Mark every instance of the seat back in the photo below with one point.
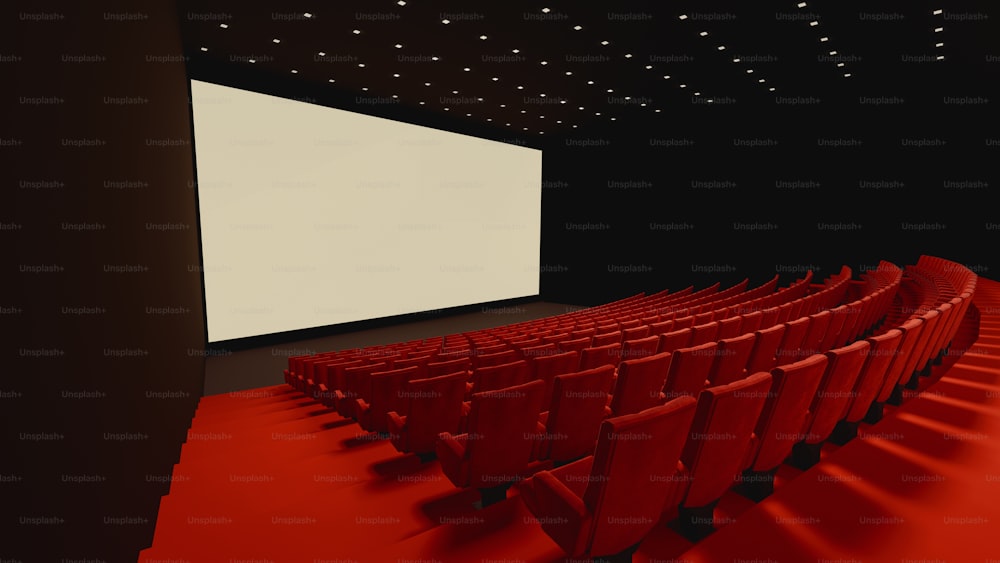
(785, 411)
(751, 322)
(898, 373)
(675, 339)
(499, 376)
(640, 347)
(703, 333)
(639, 383)
(881, 352)
(606, 338)
(576, 344)
(435, 406)
(791, 343)
(632, 451)
(729, 327)
(597, 356)
(357, 385)
(546, 368)
(386, 396)
(579, 405)
(765, 348)
(835, 389)
(445, 367)
(501, 427)
(731, 359)
(689, 369)
(720, 435)
(494, 358)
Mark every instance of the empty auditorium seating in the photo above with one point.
(496, 448)
(731, 359)
(569, 425)
(689, 369)
(597, 356)
(383, 397)
(714, 452)
(639, 383)
(832, 397)
(605, 504)
(434, 405)
(781, 422)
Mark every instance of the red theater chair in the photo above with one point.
(639, 383)
(603, 505)
(715, 450)
(434, 406)
(689, 369)
(384, 396)
(568, 429)
(495, 450)
(832, 397)
(780, 425)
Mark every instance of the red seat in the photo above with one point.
(568, 429)
(605, 504)
(606, 338)
(576, 344)
(751, 322)
(832, 398)
(494, 359)
(497, 447)
(531, 352)
(597, 356)
(326, 393)
(781, 422)
(731, 359)
(832, 338)
(689, 370)
(497, 377)
(703, 333)
(434, 406)
(764, 356)
(638, 384)
(640, 347)
(445, 367)
(791, 343)
(819, 323)
(546, 368)
(900, 370)
(729, 327)
(635, 333)
(356, 385)
(714, 453)
(670, 341)
(386, 396)
(882, 350)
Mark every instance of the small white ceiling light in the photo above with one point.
(813, 23)
(546, 10)
(703, 34)
(605, 42)
(682, 17)
(801, 4)
(483, 37)
(824, 39)
(307, 15)
(446, 21)
(276, 41)
(224, 25)
(295, 71)
(204, 48)
(937, 12)
(578, 27)
(356, 32)
(331, 81)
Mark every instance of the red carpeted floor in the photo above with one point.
(268, 475)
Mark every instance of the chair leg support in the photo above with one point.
(805, 455)
(696, 522)
(756, 485)
(896, 398)
(844, 432)
(874, 413)
(493, 495)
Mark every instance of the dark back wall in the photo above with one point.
(102, 307)
(729, 191)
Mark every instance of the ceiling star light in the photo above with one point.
(824, 39)
(578, 27)
(483, 37)
(682, 17)
(276, 41)
(398, 46)
(546, 10)
(322, 53)
(295, 71)
(224, 25)
(446, 21)
(801, 4)
(938, 12)
(703, 34)
(356, 32)
(307, 15)
(204, 48)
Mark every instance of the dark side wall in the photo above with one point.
(751, 189)
(101, 302)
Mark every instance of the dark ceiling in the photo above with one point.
(559, 67)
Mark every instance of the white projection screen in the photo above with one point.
(312, 216)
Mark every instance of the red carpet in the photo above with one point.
(268, 475)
